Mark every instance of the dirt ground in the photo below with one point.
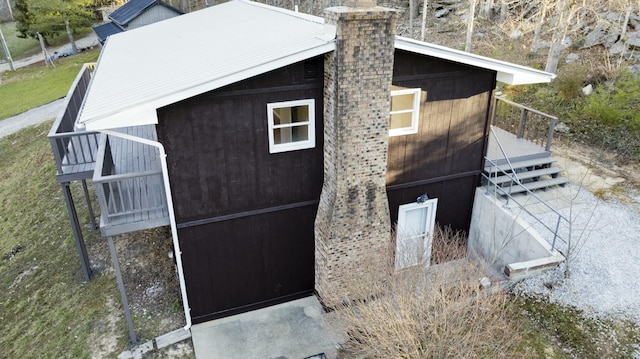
(153, 291)
(598, 171)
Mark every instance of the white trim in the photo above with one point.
(508, 73)
(310, 142)
(404, 259)
(415, 113)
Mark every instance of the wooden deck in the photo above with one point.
(129, 183)
(516, 149)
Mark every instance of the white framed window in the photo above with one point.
(405, 112)
(291, 125)
(414, 233)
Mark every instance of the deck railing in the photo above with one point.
(74, 151)
(509, 171)
(524, 122)
(126, 194)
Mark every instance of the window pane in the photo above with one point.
(287, 115)
(300, 133)
(402, 102)
(401, 120)
(290, 134)
(281, 115)
(300, 113)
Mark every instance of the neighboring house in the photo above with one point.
(134, 14)
(293, 146)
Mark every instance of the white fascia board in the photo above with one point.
(145, 113)
(508, 73)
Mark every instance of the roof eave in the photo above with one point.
(508, 73)
(145, 113)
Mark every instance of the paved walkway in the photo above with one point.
(292, 330)
(32, 117)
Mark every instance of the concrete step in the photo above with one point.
(531, 186)
(548, 171)
(537, 162)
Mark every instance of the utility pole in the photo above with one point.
(69, 32)
(6, 51)
(10, 10)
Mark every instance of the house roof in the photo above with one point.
(146, 68)
(508, 73)
(105, 30)
(132, 9)
(156, 65)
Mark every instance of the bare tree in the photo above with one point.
(424, 20)
(486, 8)
(542, 13)
(413, 12)
(470, 19)
(567, 12)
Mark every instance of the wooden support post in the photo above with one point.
(77, 231)
(92, 216)
(123, 295)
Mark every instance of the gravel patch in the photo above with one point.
(604, 278)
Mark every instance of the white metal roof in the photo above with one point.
(153, 66)
(156, 65)
(508, 73)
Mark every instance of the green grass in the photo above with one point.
(555, 331)
(21, 48)
(37, 85)
(45, 310)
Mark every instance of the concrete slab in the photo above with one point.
(292, 330)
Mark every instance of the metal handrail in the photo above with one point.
(523, 122)
(514, 179)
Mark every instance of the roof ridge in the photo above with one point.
(300, 15)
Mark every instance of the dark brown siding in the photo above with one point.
(250, 262)
(245, 215)
(445, 157)
(218, 148)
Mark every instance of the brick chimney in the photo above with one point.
(352, 228)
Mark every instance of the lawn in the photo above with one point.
(21, 48)
(46, 311)
(38, 84)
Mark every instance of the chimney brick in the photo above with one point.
(352, 228)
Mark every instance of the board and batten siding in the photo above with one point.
(245, 216)
(445, 158)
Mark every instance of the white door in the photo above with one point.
(414, 233)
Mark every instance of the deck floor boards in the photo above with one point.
(134, 157)
(517, 149)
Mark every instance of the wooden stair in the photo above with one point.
(534, 174)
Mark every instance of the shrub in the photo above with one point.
(570, 81)
(616, 103)
(440, 312)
